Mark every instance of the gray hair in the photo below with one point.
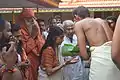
(68, 23)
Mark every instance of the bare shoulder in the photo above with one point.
(100, 20)
(78, 26)
(81, 22)
(78, 23)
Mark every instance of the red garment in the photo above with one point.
(26, 13)
(49, 58)
(32, 47)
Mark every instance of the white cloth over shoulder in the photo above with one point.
(72, 71)
(19, 58)
(102, 66)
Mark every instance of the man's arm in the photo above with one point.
(81, 40)
(116, 44)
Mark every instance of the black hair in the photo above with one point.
(40, 20)
(57, 16)
(81, 11)
(50, 41)
(50, 21)
(15, 27)
(113, 18)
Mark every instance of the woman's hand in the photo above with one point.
(71, 61)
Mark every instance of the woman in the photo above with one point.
(50, 67)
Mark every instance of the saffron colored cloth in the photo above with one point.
(32, 49)
(49, 60)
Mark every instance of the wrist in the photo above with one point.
(63, 64)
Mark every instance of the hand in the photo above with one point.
(11, 48)
(9, 56)
(24, 64)
(37, 54)
(71, 61)
(74, 61)
(28, 61)
(67, 62)
(13, 38)
(34, 32)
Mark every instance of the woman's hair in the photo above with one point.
(40, 20)
(50, 41)
(15, 27)
(50, 21)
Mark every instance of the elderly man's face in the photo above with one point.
(32, 26)
(69, 31)
(30, 22)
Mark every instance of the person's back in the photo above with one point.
(98, 34)
(94, 31)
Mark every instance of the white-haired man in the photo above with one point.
(75, 70)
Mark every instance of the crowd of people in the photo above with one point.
(30, 50)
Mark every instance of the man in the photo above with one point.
(32, 41)
(16, 33)
(115, 45)
(43, 28)
(98, 36)
(52, 22)
(112, 22)
(8, 54)
(72, 71)
(41, 24)
(58, 19)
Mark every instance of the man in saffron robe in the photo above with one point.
(32, 41)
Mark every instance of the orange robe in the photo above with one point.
(32, 48)
(49, 58)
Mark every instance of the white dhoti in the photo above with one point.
(102, 66)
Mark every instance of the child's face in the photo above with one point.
(17, 35)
